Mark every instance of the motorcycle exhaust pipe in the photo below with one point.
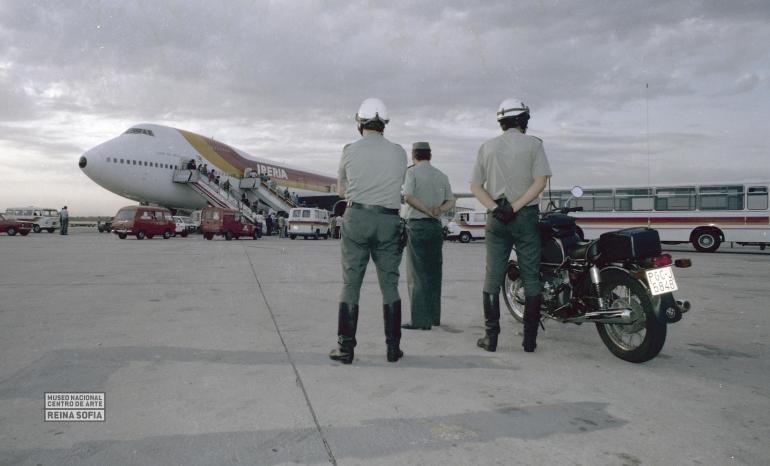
(614, 316)
(683, 304)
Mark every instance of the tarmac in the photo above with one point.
(216, 352)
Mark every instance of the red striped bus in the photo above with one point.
(705, 214)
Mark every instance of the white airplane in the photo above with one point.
(139, 164)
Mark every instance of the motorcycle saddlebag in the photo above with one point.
(631, 243)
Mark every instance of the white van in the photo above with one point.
(42, 218)
(308, 222)
(467, 226)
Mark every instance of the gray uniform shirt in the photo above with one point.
(428, 184)
(372, 171)
(508, 164)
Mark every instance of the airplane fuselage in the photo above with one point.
(139, 164)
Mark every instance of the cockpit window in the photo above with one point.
(147, 132)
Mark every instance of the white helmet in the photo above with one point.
(510, 108)
(372, 109)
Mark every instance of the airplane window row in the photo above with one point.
(142, 163)
(147, 132)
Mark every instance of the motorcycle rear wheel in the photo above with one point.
(513, 292)
(641, 340)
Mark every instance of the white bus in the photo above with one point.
(704, 214)
(42, 218)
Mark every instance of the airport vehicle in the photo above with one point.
(104, 226)
(467, 226)
(158, 152)
(143, 222)
(621, 282)
(703, 214)
(41, 218)
(184, 226)
(11, 226)
(227, 222)
(309, 223)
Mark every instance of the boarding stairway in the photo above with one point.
(254, 189)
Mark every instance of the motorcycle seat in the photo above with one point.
(587, 250)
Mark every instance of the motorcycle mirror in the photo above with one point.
(577, 191)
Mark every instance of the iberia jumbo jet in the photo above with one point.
(139, 164)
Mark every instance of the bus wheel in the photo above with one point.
(37, 229)
(706, 240)
(465, 237)
(228, 236)
(141, 235)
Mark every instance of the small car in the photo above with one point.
(184, 226)
(11, 226)
(227, 222)
(144, 222)
(104, 226)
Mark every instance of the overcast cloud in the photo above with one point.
(282, 80)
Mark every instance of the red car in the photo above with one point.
(13, 226)
(228, 223)
(144, 222)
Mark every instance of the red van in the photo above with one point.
(227, 222)
(144, 222)
(13, 226)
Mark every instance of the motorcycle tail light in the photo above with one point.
(660, 261)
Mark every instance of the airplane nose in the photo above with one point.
(82, 162)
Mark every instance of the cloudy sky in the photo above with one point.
(283, 79)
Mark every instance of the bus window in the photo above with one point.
(721, 198)
(480, 217)
(675, 199)
(463, 217)
(296, 214)
(593, 200)
(633, 199)
(757, 198)
(306, 213)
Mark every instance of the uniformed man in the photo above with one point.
(370, 176)
(511, 171)
(427, 194)
(64, 221)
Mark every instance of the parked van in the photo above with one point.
(144, 222)
(308, 222)
(467, 226)
(41, 218)
(11, 226)
(227, 222)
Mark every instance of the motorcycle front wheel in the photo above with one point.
(640, 340)
(513, 291)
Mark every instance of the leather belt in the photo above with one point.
(374, 208)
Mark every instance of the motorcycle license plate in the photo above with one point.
(661, 280)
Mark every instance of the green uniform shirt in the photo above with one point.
(508, 164)
(372, 171)
(429, 185)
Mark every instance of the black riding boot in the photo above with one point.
(391, 315)
(491, 322)
(531, 322)
(347, 322)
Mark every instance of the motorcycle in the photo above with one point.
(620, 281)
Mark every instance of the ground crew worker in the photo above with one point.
(427, 194)
(64, 220)
(371, 173)
(511, 171)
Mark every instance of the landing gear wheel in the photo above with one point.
(640, 340)
(465, 237)
(706, 241)
(513, 291)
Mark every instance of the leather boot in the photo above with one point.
(531, 322)
(491, 322)
(347, 322)
(391, 315)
